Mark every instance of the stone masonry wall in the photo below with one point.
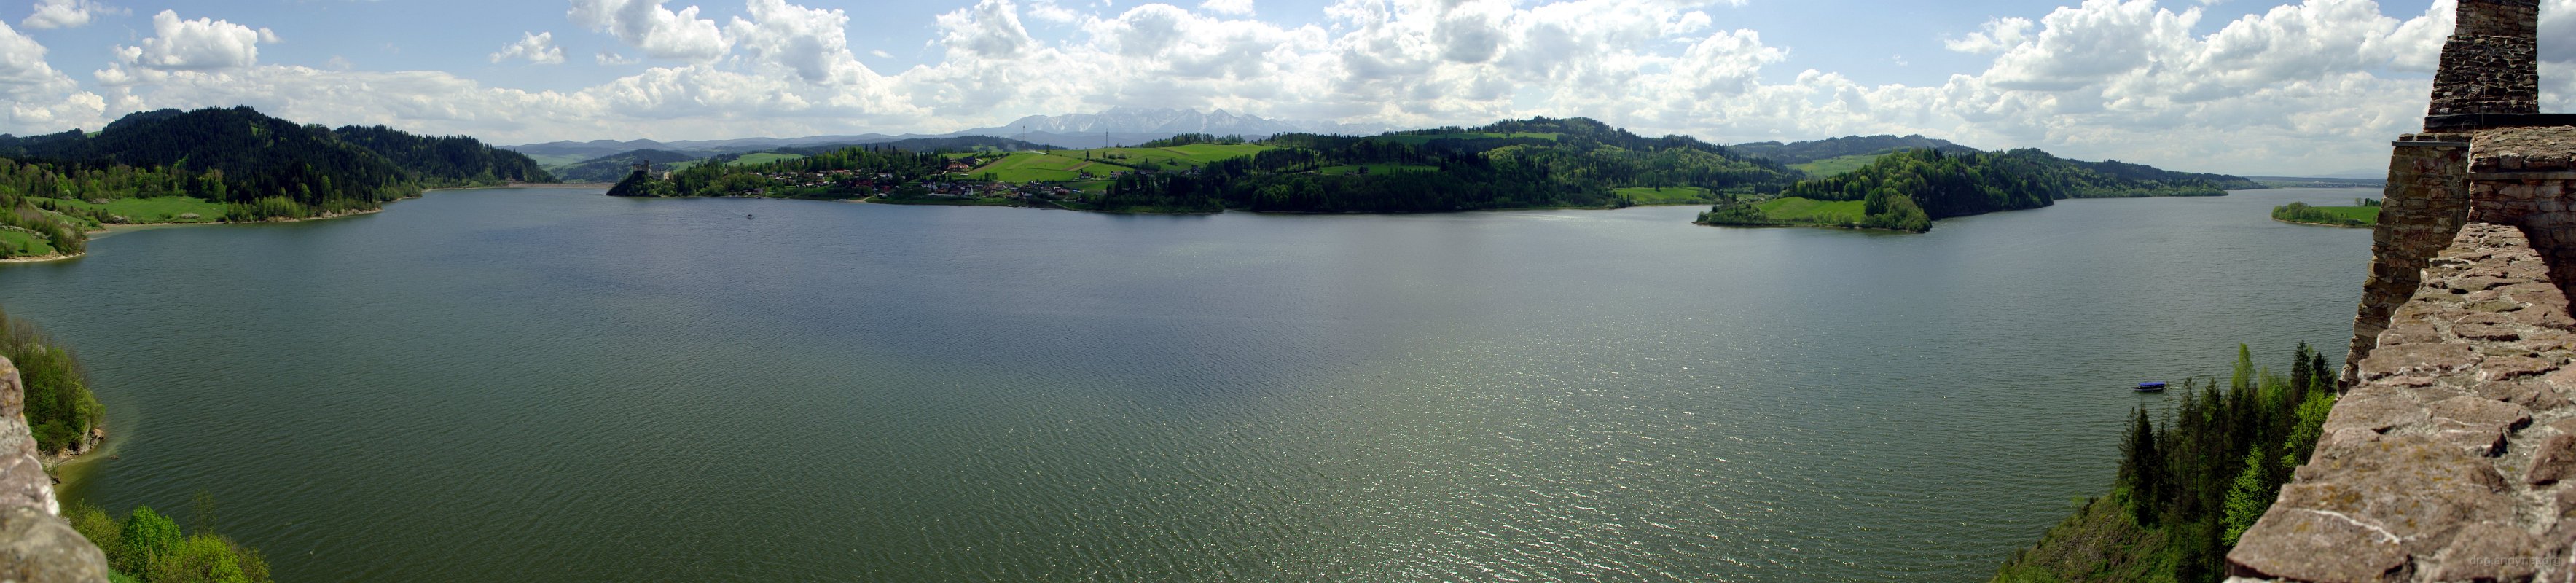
(2522, 177)
(2491, 64)
(2425, 204)
(36, 546)
(2454, 458)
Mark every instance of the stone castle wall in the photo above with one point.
(2491, 64)
(2452, 457)
(2424, 206)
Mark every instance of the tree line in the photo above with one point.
(1908, 190)
(2192, 478)
(810, 177)
(1577, 163)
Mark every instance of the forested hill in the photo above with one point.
(1908, 190)
(1533, 163)
(1811, 151)
(615, 166)
(446, 160)
(222, 164)
(254, 155)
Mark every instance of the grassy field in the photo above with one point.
(1800, 210)
(1374, 169)
(2339, 216)
(1191, 156)
(1667, 195)
(159, 210)
(17, 244)
(1836, 166)
(764, 158)
(1035, 166)
(1416, 140)
(2367, 215)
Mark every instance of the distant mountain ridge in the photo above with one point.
(1170, 122)
(1117, 126)
(1813, 150)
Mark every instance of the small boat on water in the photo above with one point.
(2151, 387)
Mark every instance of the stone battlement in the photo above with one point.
(2450, 456)
(2454, 457)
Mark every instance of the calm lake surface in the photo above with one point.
(549, 384)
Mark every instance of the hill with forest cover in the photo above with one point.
(613, 167)
(1908, 190)
(941, 144)
(442, 161)
(214, 165)
(1817, 150)
(1533, 163)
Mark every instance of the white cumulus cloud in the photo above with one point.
(537, 47)
(659, 32)
(808, 42)
(196, 45)
(67, 13)
(38, 97)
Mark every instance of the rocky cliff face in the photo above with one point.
(36, 546)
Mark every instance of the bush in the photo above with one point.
(151, 548)
(60, 408)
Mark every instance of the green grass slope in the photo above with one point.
(1837, 166)
(1670, 195)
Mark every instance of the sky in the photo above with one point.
(2248, 87)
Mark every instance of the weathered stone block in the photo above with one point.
(2434, 359)
(2309, 545)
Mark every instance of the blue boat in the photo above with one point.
(2151, 387)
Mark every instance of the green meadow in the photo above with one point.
(1810, 211)
(1666, 195)
(764, 158)
(14, 243)
(1036, 166)
(1836, 166)
(165, 209)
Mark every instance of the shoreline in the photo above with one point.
(67, 468)
(513, 185)
(1805, 226)
(2306, 224)
(106, 231)
(44, 258)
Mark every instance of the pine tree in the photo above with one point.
(2143, 468)
(2250, 496)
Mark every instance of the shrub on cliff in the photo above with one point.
(151, 548)
(60, 408)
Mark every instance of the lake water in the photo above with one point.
(549, 384)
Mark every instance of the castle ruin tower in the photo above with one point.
(2489, 81)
